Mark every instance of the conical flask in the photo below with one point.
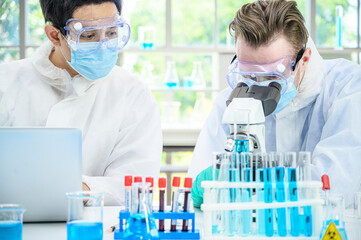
(171, 79)
(141, 223)
(197, 76)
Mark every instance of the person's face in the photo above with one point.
(90, 12)
(275, 50)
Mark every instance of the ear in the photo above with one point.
(53, 34)
(305, 59)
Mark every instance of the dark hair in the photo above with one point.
(57, 12)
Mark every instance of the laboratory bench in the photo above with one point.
(57, 231)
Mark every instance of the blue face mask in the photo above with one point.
(96, 65)
(286, 97)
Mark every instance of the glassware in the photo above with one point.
(187, 82)
(335, 212)
(171, 79)
(11, 221)
(141, 223)
(146, 37)
(339, 15)
(85, 215)
(197, 76)
(147, 75)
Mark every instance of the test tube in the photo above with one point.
(261, 158)
(128, 180)
(162, 184)
(268, 197)
(234, 194)
(290, 164)
(247, 176)
(304, 173)
(187, 193)
(150, 194)
(280, 192)
(175, 195)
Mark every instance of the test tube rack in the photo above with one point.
(167, 234)
(211, 206)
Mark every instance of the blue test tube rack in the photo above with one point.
(166, 234)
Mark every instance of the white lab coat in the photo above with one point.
(117, 114)
(324, 118)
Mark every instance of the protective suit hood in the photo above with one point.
(57, 77)
(311, 85)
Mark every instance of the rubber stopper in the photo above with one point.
(138, 179)
(150, 180)
(326, 182)
(176, 182)
(128, 180)
(162, 182)
(188, 182)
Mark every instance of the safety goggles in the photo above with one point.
(88, 36)
(261, 73)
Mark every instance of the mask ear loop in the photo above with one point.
(297, 63)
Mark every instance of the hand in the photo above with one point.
(85, 187)
(197, 191)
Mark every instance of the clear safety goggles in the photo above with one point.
(261, 73)
(88, 36)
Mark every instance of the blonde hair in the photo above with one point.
(261, 22)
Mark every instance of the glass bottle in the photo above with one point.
(171, 79)
(197, 76)
(141, 223)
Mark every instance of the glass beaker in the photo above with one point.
(335, 212)
(171, 79)
(11, 221)
(197, 76)
(141, 223)
(146, 37)
(85, 215)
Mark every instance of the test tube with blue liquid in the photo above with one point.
(304, 175)
(247, 176)
(268, 197)
(235, 195)
(261, 158)
(11, 221)
(216, 215)
(224, 194)
(339, 16)
(290, 165)
(280, 193)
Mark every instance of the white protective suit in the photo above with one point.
(117, 114)
(323, 118)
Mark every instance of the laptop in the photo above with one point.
(37, 167)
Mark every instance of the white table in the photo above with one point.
(57, 231)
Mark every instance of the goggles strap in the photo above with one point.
(298, 58)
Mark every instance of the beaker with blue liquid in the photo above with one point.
(171, 80)
(11, 221)
(141, 223)
(85, 215)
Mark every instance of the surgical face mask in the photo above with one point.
(96, 65)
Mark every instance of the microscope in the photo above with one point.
(245, 114)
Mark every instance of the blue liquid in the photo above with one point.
(147, 46)
(11, 230)
(187, 84)
(280, 197)
(85, 230)
(246, 197)
(268, 199)
(293, 197)
(171, 84)
(308, 221)
(260, 197)
(136, 228)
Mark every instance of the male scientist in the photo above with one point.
(318, 110)
(72, 81)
